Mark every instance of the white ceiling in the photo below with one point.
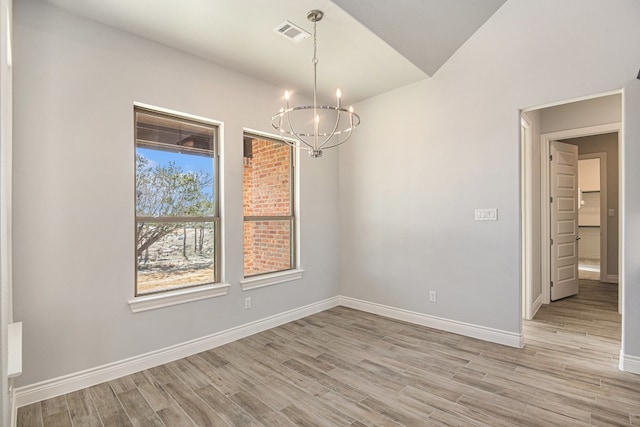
(366, 49)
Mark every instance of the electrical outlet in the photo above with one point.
(247, 303)
(433, 297)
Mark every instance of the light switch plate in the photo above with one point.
(490, 214)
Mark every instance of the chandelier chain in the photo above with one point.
(315, 81)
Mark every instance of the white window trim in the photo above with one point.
(271, 279)
(179, 296)
(198, 292)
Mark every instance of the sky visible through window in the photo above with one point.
(186, 162)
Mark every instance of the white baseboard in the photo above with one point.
(90, 377)
(629, 363)
(487, 334)
(12, 405)
(535, 307)
(611, 278)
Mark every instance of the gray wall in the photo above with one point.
(436, 150)
(607, 143)
(590, 112)
(73, 257)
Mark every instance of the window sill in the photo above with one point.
(181, 296)
(271, 279)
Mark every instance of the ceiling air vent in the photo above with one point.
(291, 31)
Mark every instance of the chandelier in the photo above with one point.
(315, 127)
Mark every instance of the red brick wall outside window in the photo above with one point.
(268, 206)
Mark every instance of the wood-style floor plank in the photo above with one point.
(343, 367)
(193, 405)
(175, 416)
(138, 409)
(82, 410)
(109, 408)
(259, 410)
(60, 419)
(229, 411)
(152, 390)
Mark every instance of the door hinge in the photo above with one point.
(552, 241)
(552, 283)
(550, 199)
(550, 157)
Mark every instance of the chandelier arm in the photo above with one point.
(289, 133)
(340, 142)
(348, 131)
(279, 124)
(288, 112)
(298, 136)
(333, 132)
(292, 131)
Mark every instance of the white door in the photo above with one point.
(564, 220)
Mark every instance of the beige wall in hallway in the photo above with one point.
(606, 143)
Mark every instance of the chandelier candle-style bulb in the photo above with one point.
(294, 123)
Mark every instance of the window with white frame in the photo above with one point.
(269, 220)
(177, 207)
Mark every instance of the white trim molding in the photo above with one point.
(270, 279)
(527, 228)
(629, 363)
(497, 336)
(12, 404)
(536, 306)
(611, 278)
(90, 377)
(181, 296)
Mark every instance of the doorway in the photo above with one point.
(592, 140)
(540, 128)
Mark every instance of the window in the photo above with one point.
(177, 219)
(269, 221)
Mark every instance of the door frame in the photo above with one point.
(545, 234)
(529, 306)
(602, 156)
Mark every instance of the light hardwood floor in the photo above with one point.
(348, 368)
